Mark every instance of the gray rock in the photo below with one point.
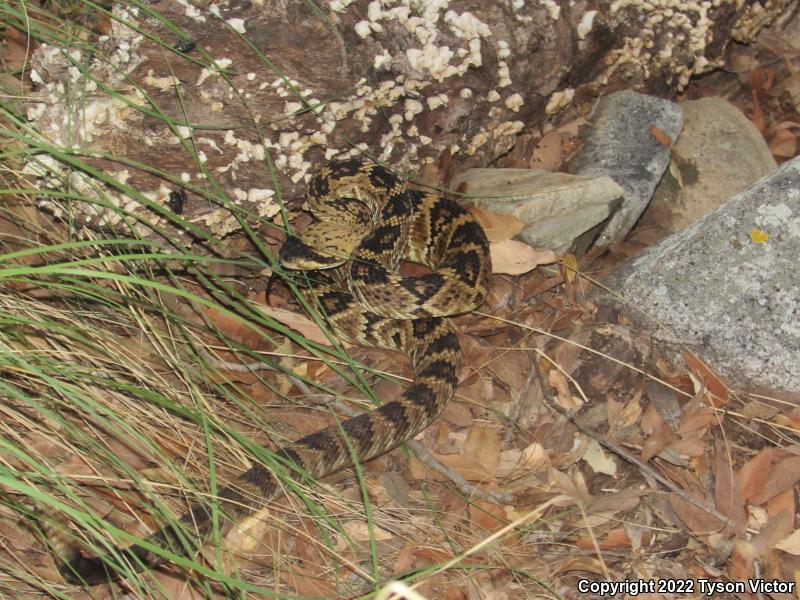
(623, 145)
(555, 207)
(718, 154)
(716, 287)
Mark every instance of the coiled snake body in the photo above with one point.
(366, 223)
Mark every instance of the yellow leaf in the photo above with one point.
(570, 263)
(758, 236)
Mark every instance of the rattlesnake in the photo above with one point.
(366, 223)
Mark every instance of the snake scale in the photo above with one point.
(366, 222)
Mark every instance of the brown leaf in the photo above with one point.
(415, 557)
(782, 502)
(659, 433)
(782, 143)
(498, 227)
(701, 417)
(299, 323)
(776, 529)
(548, 152)
(616, 539)
(700, 521)
(477, 459)
(515, 258)
(753, 474)
(758, 118)
(308, 581)
(713, 383)
(566, 400)
(486, 517)
(726, 489)
(691, 446)
(19, 48)
(782, 477)
(660, 136)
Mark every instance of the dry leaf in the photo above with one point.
(754, 473)
(782, 502)
(487, 517)
(515, 258)
(558, 380)
(360, 531)
(599, 460)
(701, 417)
(616, 539)
(776, 529)
(690, 446)
(758, 118)
(726, 489)
(782, 477)
(660, 136)
(246, 535)
(297, 322)
(308, 581)
(548, 152)
(713, 383)
(782, 143)
(700, 521)
(478, 458)
(570, 263)
(498, 227)
(791, 544)
(659, 433)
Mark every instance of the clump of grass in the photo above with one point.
(115, 409)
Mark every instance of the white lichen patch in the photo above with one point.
(431, 60)
(412, 108)
(503, 74)
(340, 5)
(514, 102)
(682, 27)
(191, 11)
(436, 101)
(382, 61)
(477, 142)
(507, 128)
(363, 29)
(585, 24)
(219, 65)
(466, 25)
(238, 25)
(552, 8)
(219, 220)
(503, 50)
(161, 83)
(559, 100)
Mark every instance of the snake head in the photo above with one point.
(322, 245)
